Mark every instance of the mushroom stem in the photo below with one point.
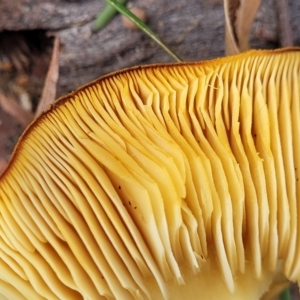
(208, 283)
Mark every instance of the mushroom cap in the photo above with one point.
(159, 182)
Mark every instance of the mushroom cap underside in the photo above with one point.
(149, 177)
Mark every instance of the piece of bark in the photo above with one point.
(285, 30)
(86, 55)
(46, 14)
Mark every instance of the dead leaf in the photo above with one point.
(14, 109)
(230, 7)
(49, 90)
(239, 16)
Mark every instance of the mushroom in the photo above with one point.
(171, 181)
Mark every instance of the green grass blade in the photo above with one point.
(127, 13)
(285, 295)
(106, 15)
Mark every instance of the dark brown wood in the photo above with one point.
(285, 31)
(194, 29)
